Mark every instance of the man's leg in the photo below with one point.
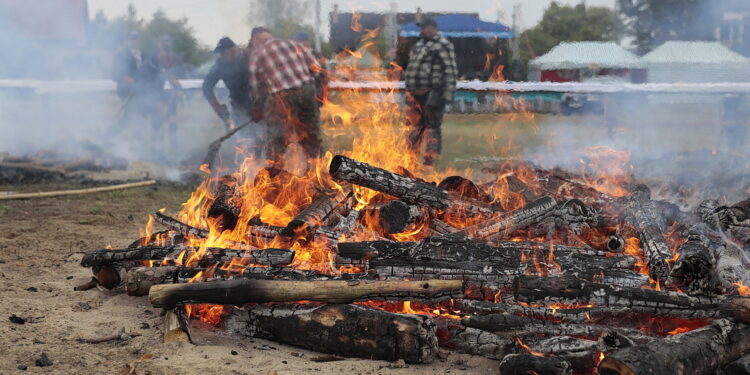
(277, 119)
(307, 124)
(433, 118)
(415, 120)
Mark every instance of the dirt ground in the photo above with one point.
(41, 244)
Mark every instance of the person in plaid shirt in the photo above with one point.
(282, 75)
(430, 79)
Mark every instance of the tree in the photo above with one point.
(285, 18)
(564, 23)
(109, 34)
(652, 22)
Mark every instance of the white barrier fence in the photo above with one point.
(83, 86)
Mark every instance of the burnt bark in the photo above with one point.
(238, 292)
(699, 352)
(226, 206)
(693, 270)
(321, 212)
(572, 290)
(345, 330)
(641, 213)
(211, 255)
(193, 232)
(506, 224)
(455, 336)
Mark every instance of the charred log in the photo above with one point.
(572, 290)
(453, 335)
(192, 232)
(321, 212)
(641, 213)
(211, 255)
(693, 269)
(238, 292)
(345, 330)
(176, 326)
(504, 225)
(699, 352)
(225, 205)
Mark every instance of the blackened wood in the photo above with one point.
(693, 271)
(394, 216)
(529, 364)
(515, 325)
(580, 353)
(320, 212)
(269, 257)
(465, 188)
(439, 227)
(407, 189)
(641, 213)
(344, 330)
(238, 292)
(699, 352)
(193, 232)
(455, 336)
(226, 206)
(506, 224)
(571, 290)
(738, 367)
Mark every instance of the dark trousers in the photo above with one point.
(424, 123)
(293, 116)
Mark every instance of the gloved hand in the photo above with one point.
(223, 112)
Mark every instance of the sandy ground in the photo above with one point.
(41, 244)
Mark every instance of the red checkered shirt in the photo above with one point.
(280, 65)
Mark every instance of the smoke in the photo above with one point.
(58, 99)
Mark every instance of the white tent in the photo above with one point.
(688, 62)
(587, 55)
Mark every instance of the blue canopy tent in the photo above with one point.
(461, 26)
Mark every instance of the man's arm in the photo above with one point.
(209, 83)
(450, 70)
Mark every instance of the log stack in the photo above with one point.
(571, 281)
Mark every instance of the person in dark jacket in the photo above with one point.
(125, 65)
(430, 79)
(231, 68)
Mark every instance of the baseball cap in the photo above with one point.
(427, 21)
(224, 43)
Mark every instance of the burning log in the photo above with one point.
(701, 351)
(407, 189)
(192, 232)
(176, 326)
(693, 269)
(321, 212)
(528, 364)
(211, 255)
(738, 367)
(345, 330)
(141, 279)
(347, 223)
(238, 292)
(225, 205)
(503, 226)
(580, 353)
(643, 215)
(572, 290)
(395, 216)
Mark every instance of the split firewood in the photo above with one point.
(501, 227)
(404, 188)
(176, 326)
(571, 290)
(693, 271)
(238, 292)
(141, 279)
(528, 364)
(699, 352)
(345, 330)
(321, 212)
(641, 213)
(211, 255)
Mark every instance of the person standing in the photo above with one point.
(231, 67)
(282, 84)
(126, 64)
(430, 79)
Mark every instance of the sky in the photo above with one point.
(213, 19)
